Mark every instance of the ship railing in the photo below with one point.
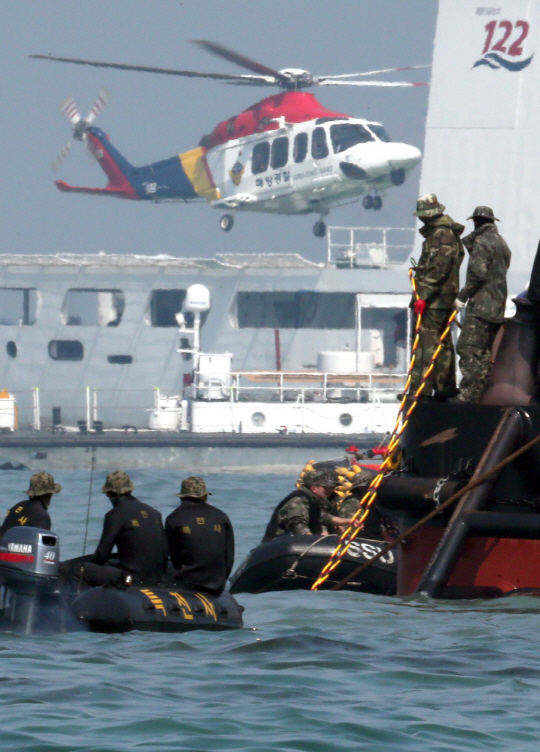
(300, 386)
(85, 410)
(368, 247)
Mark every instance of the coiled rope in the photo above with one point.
(391, 457)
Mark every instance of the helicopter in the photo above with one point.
(286, 154)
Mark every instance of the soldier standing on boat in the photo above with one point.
(484, 294)
(308, 510)
(34, 511)
(201, 540)
(437, 284)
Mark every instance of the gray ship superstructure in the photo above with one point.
(96, 335)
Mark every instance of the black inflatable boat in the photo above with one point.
(294, 562)
(32, 601)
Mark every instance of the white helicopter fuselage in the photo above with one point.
(308, 167)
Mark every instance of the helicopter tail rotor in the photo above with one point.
(62, 155)
(101, 100)
(69, 109)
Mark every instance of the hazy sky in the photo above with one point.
(152, 117)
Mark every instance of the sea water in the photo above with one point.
(310, 672)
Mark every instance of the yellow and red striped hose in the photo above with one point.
(401, 423)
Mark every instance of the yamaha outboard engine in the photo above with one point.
(29, 559)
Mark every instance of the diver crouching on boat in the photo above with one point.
(201, 540)
(136, 529)
(308, 509)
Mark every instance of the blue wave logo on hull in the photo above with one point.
(495, 61)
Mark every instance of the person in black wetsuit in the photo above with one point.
(33, 512)
(136, 529)
(201, 540)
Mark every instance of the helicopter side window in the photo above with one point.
(319, 147)
(380, 132)
(280, 152)
(300, 147)
(346, 135)
(260, 157)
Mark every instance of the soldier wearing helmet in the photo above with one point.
(201, 540)
(308, 510)
(34, 511)
(136, 529)
(437, 284)
(484, 294)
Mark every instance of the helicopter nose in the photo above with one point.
(404, 157)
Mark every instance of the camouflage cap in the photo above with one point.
(428, 206)
(193, 488)
(485, 212)
(42, 484)
(324, 478)
(363, 478)
(118, 482)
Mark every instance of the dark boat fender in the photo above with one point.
(154, 609)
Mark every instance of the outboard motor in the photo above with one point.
(29, 560)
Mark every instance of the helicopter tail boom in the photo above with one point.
(184, 177)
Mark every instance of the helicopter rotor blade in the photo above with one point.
(69, 109)
(241, 60)
(101, 100)
(333, 82)
(62, 155)
(140, 68)
(375, 72)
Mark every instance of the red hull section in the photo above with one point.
(294, 106)
(501, 564)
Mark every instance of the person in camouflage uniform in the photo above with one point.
(308, 510)
(349, 506)
(34, 511)
(485, 290)
(437, 284)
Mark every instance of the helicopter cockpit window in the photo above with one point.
(380, 132)
(280, 152)
(260, 157)
(346, 135)
(319, 147)
(300, 147)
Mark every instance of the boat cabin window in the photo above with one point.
(163, 307)
(66, 349)
(280, 152)
(93, 307)
(18, 306)
(300, 147)
(304, 309)
(379, 131)
(319, 147)
(345, 135)
(260, 157)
